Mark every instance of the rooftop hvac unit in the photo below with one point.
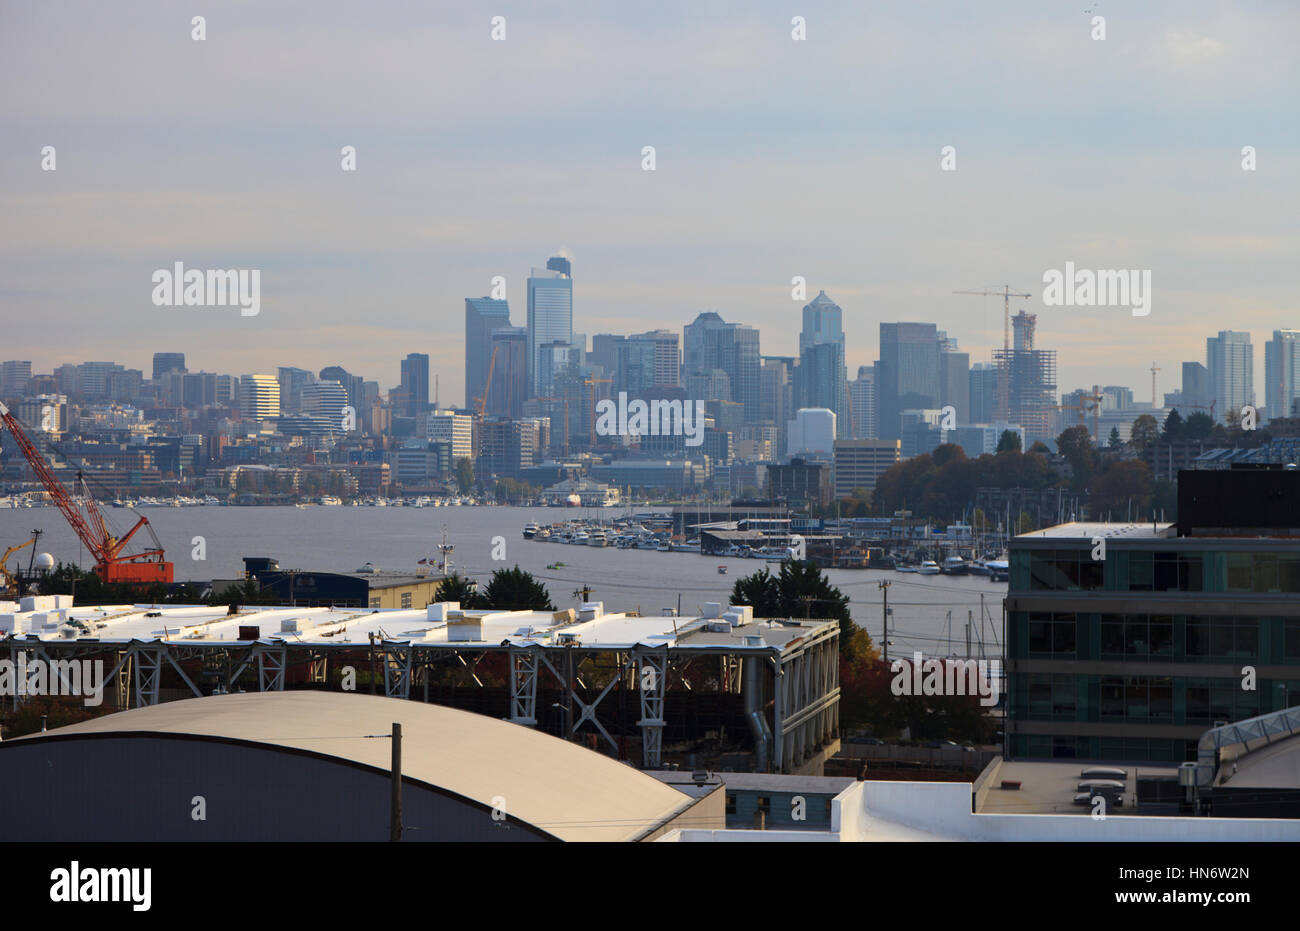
(461, 627)
(1187, 774)
(295, 625)
(249, 632)
(439, 610)
(755, 640)
(712, 609)
(746, 613)
(591, 610)
(718, 627)
(568, 638)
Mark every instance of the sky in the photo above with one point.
(774, 158)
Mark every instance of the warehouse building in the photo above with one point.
(317, 766)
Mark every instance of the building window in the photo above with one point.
(731, 803)
(406, 599)
(765, 804)
(374, 601)
(1051, 696)
(1222, 638)
(1052, 635)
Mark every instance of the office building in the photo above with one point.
(550, 317)
(456, 429)
(292, 381)
(695, 360)
(14, 376)
(811, 433)
(1134, 656)
(983, 392)
(907, 374)
(164, 362)
(509, 388)
(859, 463)
(820, 380)
(483, 315)
(259, 397)
(1230, 359)
(954, 379)
(1281, 372)
(415, 382)
(326, 400)
(353, 384)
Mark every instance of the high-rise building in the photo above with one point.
(550, 315)
(482, 316)
(811, 433)
(14, 376)
(823, 322)
(694, 349)
(907, 374)
(859, 463)
(259, 397)
(292, 381)
(1031, 381)
(92, 378)
(1281, 372)
(164, 362)
(1197, 392)
(457, 429)
(415, 382)
(509, 387)
(353, 384)
(983, 392)
(326, 400)
(821, 382)
(954, 378)
(776, 394)
(734, 348)
(862, 403)
(1230, 359)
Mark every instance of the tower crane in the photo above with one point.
(112, 563)
(1004, 388)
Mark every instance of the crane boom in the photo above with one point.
(1004, 393)
(111, 565)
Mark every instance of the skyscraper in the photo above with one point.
(1197, 391)
(1281, 372)
(509, 387)
(983, 392)
(259, 397)
(292, 380)
(862, 403)
(823, 322)
(693, 343)
(415, 382)
(164, 362)
(734, 348)
(907, 375)
(482, 316)
(550, 315)
(1031, 381)
(954, 379)
(1230, 359)
(14, 376)
(821, 382)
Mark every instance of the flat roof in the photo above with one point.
(554, 785)
(1276, 766)
(196, 625)
(1086, 530)
(1049, 787)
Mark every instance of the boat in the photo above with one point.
(999, 570)
(596, 538)
(331, 501)
(663, 548)
(902, 567)
(722, 570)
(954, 565)
(928, 567)
(530, 531)
(580, 538)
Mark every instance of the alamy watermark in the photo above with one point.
(920, 676)
(53, 677)
(651, 418)
(232, 287)
(1110, 287)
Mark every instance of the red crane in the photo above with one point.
(111, 564)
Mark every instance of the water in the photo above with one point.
(395, 538)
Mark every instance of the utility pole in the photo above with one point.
(395, 805)
(883, 585)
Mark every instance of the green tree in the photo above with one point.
(1122, 483)
(515, 590)
(1175, 428)
(465, 475)
(1198, 426)
(1114, 440)
(456, 587)
(1075, 444)
(801, 590)
(1009, 442)
(1145, 433)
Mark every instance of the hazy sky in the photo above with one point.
(775, 158)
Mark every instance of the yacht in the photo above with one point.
(928, 567)
(999, 570)
(530, 531)
(955, 565)
(596, 538)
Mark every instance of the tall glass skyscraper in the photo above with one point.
(1231, 360)
(907, 375)
(550, 314)
(1282, 372)
(482, 316)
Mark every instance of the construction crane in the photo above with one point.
(8, 582)
(112, 564)
(1089, 403)
(1004, 388)
(566, 419)
(1154, 368)
(480, 403)
(594, 382)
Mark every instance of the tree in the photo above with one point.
(1175, 429)
(1122, 483)
(800, 589)
(1145, 432)
(515, 590)
(1009, 441)
(465, 474)
(1114, 440)
(1198, 426)
(1075, 444)
(456, 587)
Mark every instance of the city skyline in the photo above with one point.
(1123, 153)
